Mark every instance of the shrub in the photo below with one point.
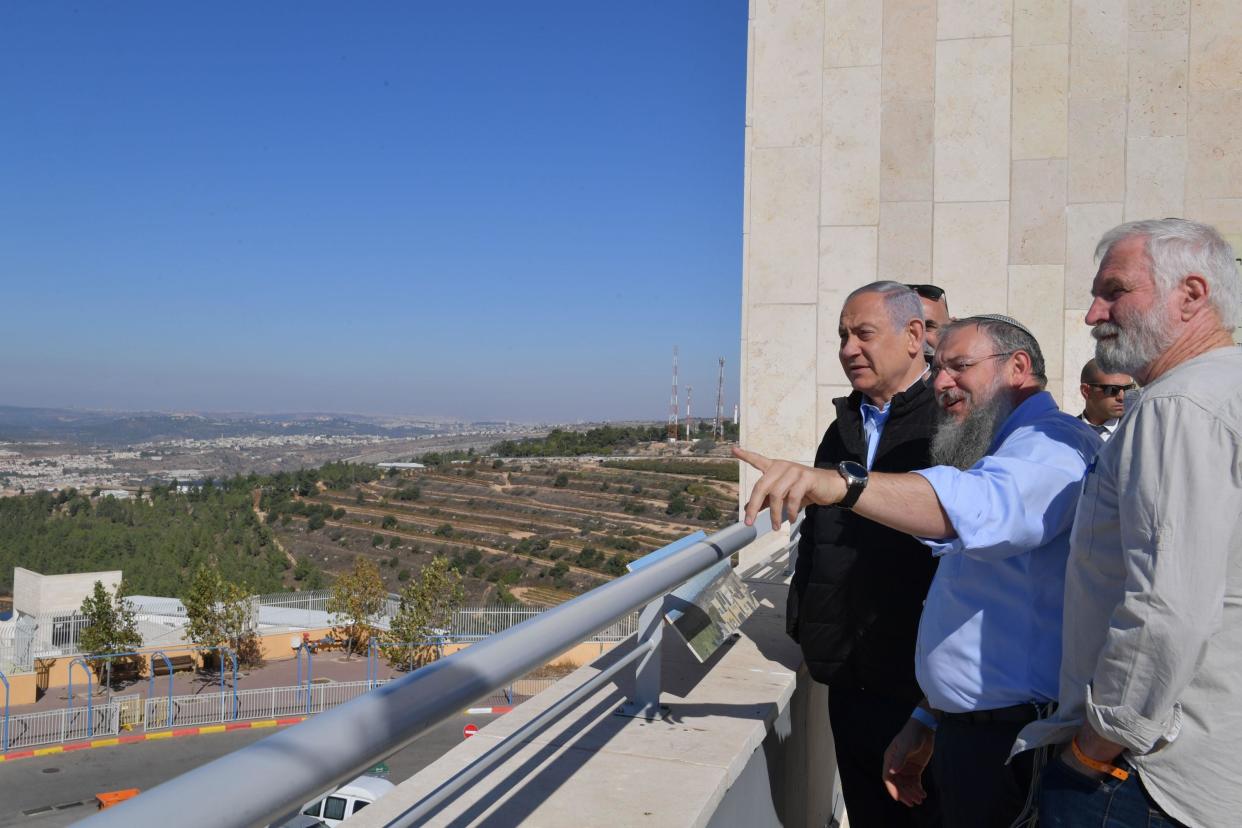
(709, 512)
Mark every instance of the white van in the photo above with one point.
(348, 799)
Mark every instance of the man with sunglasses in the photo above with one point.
(1105, 396)
(997, 513)
(935, 314)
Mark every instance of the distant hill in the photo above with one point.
(127, 428)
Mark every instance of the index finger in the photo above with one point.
(754, 458)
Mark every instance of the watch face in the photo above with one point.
(854, 469)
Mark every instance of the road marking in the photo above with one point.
(156, 736)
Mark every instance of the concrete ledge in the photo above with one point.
(746, 742)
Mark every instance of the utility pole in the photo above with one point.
(672, 403)
(718, 429)
(689, 391)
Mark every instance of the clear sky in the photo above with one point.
(473, 209)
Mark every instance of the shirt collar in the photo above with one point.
(868, 408)
(1030, 409)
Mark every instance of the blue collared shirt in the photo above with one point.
(873, 420)
(990, 634)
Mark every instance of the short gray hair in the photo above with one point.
(1176, 247)
(901, 303)
(1007, 337)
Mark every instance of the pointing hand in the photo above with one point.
(787, 487)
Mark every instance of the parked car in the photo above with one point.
(347, 800)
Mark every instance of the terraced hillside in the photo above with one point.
(533, 531)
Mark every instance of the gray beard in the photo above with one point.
(1133, 348)
(963, 443)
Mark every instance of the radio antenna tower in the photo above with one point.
(689, 391)
(718, 430)
(672, 403)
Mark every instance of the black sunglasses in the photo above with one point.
(929, 292)
(1113, 390)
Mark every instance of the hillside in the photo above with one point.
(531, 530)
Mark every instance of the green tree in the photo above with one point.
(389, 522)
(676, 505)
(709, 512)
(562, 480)
(308, 572)
(424, 615)
(111, 627)
(221, 614)
(357, 599)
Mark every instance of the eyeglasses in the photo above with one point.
(929, 292)
(1113, 390)
(959, 366)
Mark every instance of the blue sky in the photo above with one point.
(473, 209)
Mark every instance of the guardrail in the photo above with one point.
(268, 780)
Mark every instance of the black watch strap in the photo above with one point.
(855, 476)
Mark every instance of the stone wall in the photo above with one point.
(982, 145)
(34, 594)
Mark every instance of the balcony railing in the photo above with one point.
(270, 779)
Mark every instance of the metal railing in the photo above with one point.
(132, 712)
(269, 779)
(63, 725)
(55, 635)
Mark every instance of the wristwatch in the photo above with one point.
(855, 475)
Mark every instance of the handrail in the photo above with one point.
(270, 778)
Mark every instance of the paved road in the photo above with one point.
(59, 780)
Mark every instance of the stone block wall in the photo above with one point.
(34, 594)
(981, 145)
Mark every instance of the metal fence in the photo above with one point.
(472, 624)
(30, 729)
(55, 635)
(131, 712)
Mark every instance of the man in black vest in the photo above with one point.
(858, 587)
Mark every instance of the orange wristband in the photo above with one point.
(1095, 764)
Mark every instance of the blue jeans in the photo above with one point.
(1067, 799)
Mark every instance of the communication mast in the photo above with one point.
(672, 403)
(689, 391)
(718, 429)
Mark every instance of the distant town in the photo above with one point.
(122, 452)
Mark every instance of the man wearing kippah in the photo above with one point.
(997, 512)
